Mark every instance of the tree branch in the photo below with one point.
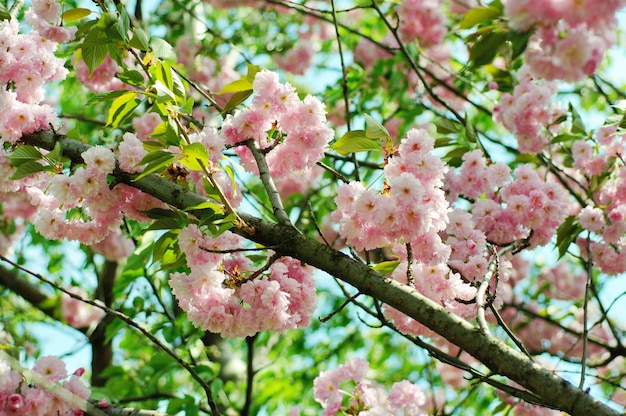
(495, 354)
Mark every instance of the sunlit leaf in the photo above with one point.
(355, 141)
(478, 15)
(373, 129)
(73, 15)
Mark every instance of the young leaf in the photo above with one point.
(236, 99)
(252, 71)
(355, 141)
(386, 267)
(140, 39)
(122, 108)
(105, 96)
(373, 129)
(577, 122)
(132, 77)
(236, 86)
(193, 154)
(155, 161)
(28, 168)
(477, 16)
(567, 233)
(161, 48)
(74, 15)
(4, 12)
(486, 48)
(447, 126)
(24, 154)
(94, 48)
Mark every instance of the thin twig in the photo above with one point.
(130, 322)
(268, 183)
(249, 375)
(589, 271)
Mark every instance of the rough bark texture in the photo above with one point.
(496, 355)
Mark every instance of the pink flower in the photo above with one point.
(592, 219)
(408, 399)
(131, 152)
(100, 159)
(51, 368)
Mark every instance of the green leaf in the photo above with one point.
(29, 168)
(140, 39)
(194, 156)
(386, 267)
(486, 48)
(158, 213)
(4, 12)
(132, 77)
(56, 154)
(170, 80)
(212, 206)
(123, 24)
(478, 15)
(122, 108)
(447, 126)
(567, 233)
(252, 71)
(165, 224)
(105, 96)
(24, 154)
(236, 99)
(74, 15)
(373, 129)
(94, 48)
(236, 86)
(355, 141)
(519, 41)
(156, 161)
(165, 243)
(470, 132)
(161, 48)
(164, 94)
(578, 127)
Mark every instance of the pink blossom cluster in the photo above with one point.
(300, 133)
(27, 63)
(528, 112)
(538, 335)
(563, 283)
(80, 206)
(224, 293)
(571, 35)
(513, 208)
(102, 79)
(85, 191)
(44, 17)
(79, 314)
(422, 21)
(16, 208)
(345, 390)
(606, 217)
(412, 209)
(19, 397)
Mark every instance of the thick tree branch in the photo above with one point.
(495, 354)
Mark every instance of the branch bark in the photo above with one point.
(286, 240)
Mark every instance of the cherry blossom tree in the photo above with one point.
(324, 207)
